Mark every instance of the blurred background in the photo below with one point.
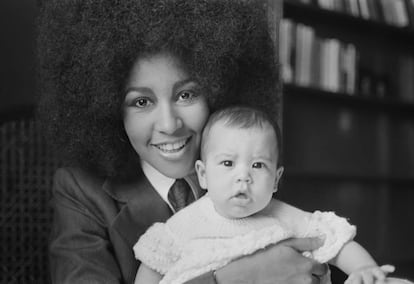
(17, 25)
(26, 165)
(348, 117)
(348, 124)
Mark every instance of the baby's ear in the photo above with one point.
(279, 173)
(201, 173)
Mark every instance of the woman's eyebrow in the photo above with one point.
(184, 82)
(143, 90)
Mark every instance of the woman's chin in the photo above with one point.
(179, 170)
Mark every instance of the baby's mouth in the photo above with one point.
(173, 147)
(241, 195)
(241, 199)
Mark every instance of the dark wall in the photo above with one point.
(17, 39)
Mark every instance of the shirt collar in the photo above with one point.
(160, 182)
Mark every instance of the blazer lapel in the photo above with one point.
(141, 206)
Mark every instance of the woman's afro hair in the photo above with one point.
(87, 47)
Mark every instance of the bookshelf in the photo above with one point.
(348, 117)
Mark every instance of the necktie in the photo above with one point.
(180, 194)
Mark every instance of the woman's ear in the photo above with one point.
(279, 173)
(201, 174)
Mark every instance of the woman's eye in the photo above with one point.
(227, 163)
(143, 102)
(258, 165)
(186, 96)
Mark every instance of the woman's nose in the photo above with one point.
(168, 120)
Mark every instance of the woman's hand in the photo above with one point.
(281, 263)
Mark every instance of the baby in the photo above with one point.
(240, 169)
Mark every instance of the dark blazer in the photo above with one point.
(97, 222)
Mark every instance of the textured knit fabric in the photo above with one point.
(197, 239)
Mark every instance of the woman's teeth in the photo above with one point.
(172, 147)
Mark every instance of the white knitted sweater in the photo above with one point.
(197, 239)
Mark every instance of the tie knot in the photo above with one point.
(180, 194)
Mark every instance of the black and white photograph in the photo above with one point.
(207, 141)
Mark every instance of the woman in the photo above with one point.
(126, 89)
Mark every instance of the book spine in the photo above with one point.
(363, 5)
(401, 16)
(409, 4)
(354, 8)
(286, 49)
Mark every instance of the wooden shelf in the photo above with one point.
(383, 105)
(322, 177)
(350, 153)
(381, 32)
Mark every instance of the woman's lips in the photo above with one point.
(172, 147)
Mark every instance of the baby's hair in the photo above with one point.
(244, 117)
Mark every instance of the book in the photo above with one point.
(379, 11)
(354, 7)
(366, 82)
(286, 43)
(304, 47)
(363, 7)
(381, 86)
(316, 59)
(330, 68)
(409, 4)
(401, 16)
(343, 74)
(387, 11)
(324, 4)
(339, 5)
(395, 12)
(404, 77)
(298, 61)
(349, 66)
(373, 10)
(347, 7)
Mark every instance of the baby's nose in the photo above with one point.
(244, 175)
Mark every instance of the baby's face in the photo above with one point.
(240, 169)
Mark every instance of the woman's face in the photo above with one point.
(165, 111)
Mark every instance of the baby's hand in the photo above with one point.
(370, 275)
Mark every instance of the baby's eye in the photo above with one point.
(227, 163)
(143, 102)
(258, 165)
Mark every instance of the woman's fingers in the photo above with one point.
(319, 269)
(315, 269)
(303, 244)
(305, 279)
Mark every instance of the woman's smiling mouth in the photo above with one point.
(172, 147)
